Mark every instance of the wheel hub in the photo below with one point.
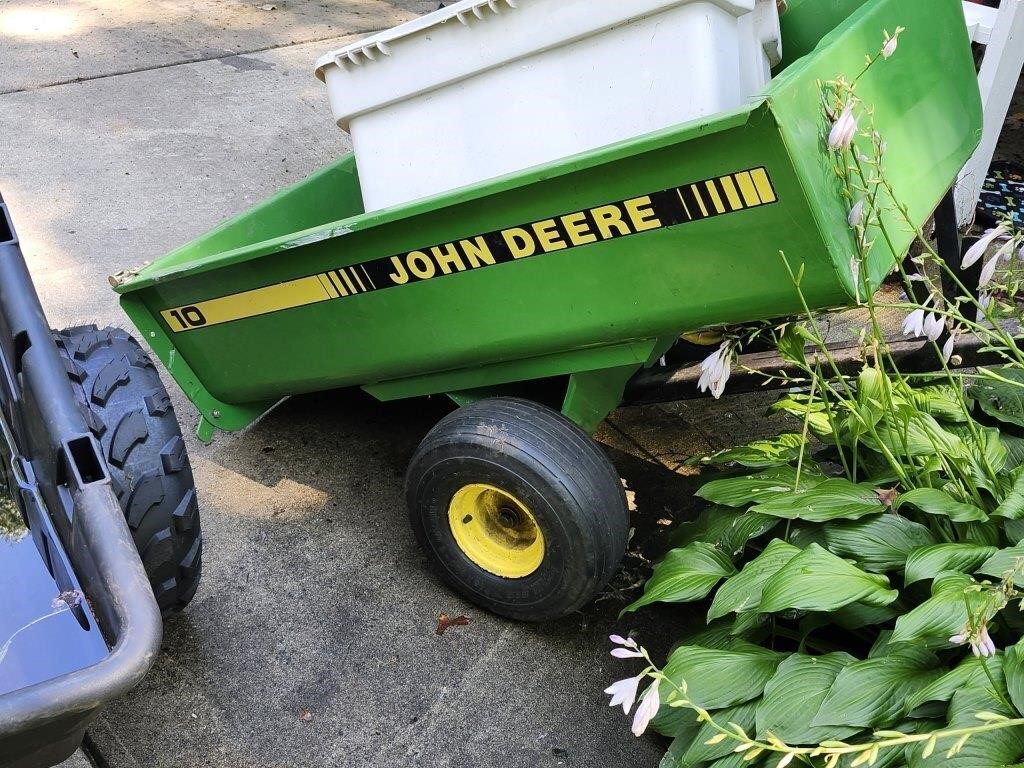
(496, 531)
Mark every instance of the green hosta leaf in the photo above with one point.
(834, 499)
(723, 528)
(798, 407)
(682, 738)
(1014, 451)
(929, 562)
(1012, 505)
(817, 580)
(742, 592)
(1004, 561)
(905, 431)
(857, 616)
(872, 693)
(761, 486)
(700, 752)
(717, 679)
(685, 575)
(986, 533)
(940, 616)
(1001, 400)
(791, 344)
(1013, 670)
(880, 543)
(1003, 747)
(792, 698)
(773, 452)
(936, 502)
(967, 672)
(1014, 530)
(940, 401)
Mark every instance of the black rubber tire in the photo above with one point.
(560, 474)
(129, 411)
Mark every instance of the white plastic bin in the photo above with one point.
(487, 87)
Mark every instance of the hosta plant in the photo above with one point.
(859, 574)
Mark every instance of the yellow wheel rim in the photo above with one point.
(496, 531)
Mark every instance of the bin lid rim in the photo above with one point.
(368, 49)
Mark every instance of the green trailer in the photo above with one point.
(580, 273)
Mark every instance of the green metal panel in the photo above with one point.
(587, 308)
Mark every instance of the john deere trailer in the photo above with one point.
(583, 271)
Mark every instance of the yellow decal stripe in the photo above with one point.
(700, 200)
(747, 189)
(764, 186)
(715, 199)
(259, 301)
(731, 194)
(687, 203)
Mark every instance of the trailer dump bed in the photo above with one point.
(588, 265)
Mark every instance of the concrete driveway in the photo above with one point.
(129, 128)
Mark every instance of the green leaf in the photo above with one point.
(700, 752)
(1003, 747)
(1013, 670)
(761, 486)
(1014, 451)
(817, 580)
(722, 528)
(880, 543)
(929, 562)
(940, 401)
(857, 616)
(907, 432)
(834, 499)
(798, 407)
(1004, 561)
(939, 617)
(1012, 505)
(773, 452)
(791, 344)
(986, 534)
(1001, 400)
(872, 693)
(936, 502)
(742, 592)
(967, 672)
(792, 698)
(1014, 530)
(684, 575)
(716, 678)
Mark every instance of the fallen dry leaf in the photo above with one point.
(664, 521)
(444, 621)
(305, 715)
(268, 7)
(887, 495)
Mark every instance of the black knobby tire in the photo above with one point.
(556, 470)
(129, 411)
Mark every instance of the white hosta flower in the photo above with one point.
(857, 213)
(984, 302)
(626, 653)
(950, 345)
(979, 249)
(980, 641)
(844, 129)
(914, 324)
(933, 326)
(624, 692)
(1007, 249)
(855, 274)
(647, 710)
(626, 641)
(988, 271)
(715, 371)
(891, 42)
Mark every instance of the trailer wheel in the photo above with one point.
(129, 411)
(517, 508)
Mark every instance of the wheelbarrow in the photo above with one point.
(578, 274)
